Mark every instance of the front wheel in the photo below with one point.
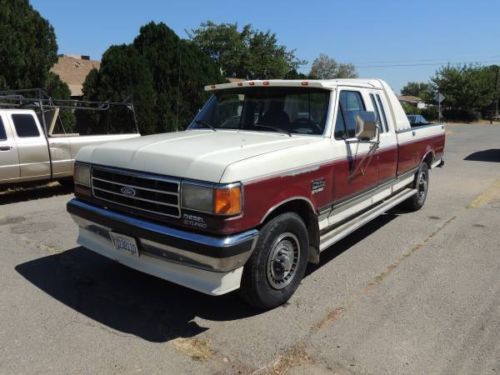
(421, 184)
(278, 263)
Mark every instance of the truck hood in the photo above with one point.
(195, 154)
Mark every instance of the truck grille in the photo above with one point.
(136, 190)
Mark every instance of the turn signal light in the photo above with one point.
(228, 200)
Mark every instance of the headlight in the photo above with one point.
(81, 174)
(197, 197)
(213, 199)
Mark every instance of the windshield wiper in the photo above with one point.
(275, 128)
(206, 124)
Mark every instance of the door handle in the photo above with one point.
(413, 132)
(5, 148)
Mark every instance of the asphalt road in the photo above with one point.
(410, 293)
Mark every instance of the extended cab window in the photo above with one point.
(377, 108)
(350, 104)
(25, 126)
(3, 135)
(386, 125)
(277, 109)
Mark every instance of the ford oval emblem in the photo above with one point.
(128, 191)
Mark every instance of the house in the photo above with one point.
(73, 69)
(413, 100)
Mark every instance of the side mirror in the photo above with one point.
(366, 126)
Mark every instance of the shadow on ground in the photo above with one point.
(351, 240)
(28, 193)
(491, 155)
(135, 303)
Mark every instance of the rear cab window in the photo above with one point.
(350, 104)
(25, 126)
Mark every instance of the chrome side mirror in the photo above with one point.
(366, 126)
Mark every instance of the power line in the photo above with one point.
(398, 65)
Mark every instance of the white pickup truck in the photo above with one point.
(28, 154)
(268, 175)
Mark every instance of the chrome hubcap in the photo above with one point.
(283, 260)
(422, 186)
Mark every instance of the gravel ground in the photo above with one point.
(410, 293)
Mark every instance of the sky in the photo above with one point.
(399, 41)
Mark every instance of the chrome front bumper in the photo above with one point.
(165, 249)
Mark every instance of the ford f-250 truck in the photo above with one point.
(268, 175)
(30, 150)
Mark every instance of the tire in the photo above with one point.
(421, 183)
(278, 263)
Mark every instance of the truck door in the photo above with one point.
(33, 153)
(9, 161)
(387, 151)
(359, 170)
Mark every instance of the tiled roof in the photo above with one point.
(73, 70)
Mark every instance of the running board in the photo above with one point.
(329, 238)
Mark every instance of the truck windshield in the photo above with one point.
(294, 110)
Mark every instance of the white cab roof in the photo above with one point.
(323, 83)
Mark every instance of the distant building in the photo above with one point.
(73, 69)
(413, 100)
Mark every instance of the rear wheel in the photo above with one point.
(278, 263)
(421, 183)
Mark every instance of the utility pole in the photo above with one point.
(497, 93)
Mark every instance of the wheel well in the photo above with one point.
(306, 213)
(429, 158)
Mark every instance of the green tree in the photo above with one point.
(466, 87)
(249, 53)
(28, 47)
(124, 72)
(421, 90)
(164, 73)
(56, 88)
(325, 67)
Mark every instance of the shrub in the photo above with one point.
(430, 113)
(464, 115)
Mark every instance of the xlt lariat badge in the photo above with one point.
(318, 185)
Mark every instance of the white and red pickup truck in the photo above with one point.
(268, 175)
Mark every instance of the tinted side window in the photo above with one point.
(25, 126)
(3, 135)
(350, 104)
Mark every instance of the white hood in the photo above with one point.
(196, 154)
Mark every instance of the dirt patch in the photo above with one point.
(290, 358)
(330, 318)
(197, 349)
(489, 195)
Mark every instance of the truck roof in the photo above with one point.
(317, 83)
(16, 111)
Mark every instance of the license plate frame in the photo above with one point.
(124, 243)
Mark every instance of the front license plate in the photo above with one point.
(124, 243)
